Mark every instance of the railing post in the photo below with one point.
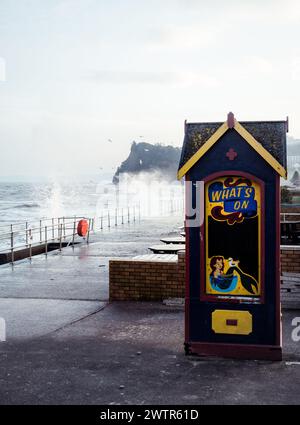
(134, 213)
(122, 216)
(53, 228)
(116, 217)
(12, 246)
(26, 233)
(60, 237)
(88, 233)
(108, 218)
(101, 222)
(58, 227)
(46, 241)
(64, 227)
(30, 246)
(74, 230)
(40, 231)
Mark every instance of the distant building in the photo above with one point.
(293, 161)
(295, 180)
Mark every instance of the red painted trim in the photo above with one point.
(263, 243)
(237, 351)
(277, 265)
(188, 199)
(214, 298)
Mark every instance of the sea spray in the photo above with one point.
(155, 195)
(50, 195)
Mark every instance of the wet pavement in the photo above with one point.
(132, 353)
(67, 345)
(81, 273)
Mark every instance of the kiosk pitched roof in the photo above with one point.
(268, 138)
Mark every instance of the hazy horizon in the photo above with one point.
(81, 79)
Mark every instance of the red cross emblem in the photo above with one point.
(231, 154)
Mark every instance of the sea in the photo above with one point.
(24, 204)
(20, 202)
(30, 201)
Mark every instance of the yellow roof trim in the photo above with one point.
(204, 148)
(247, 136)
(260, 150)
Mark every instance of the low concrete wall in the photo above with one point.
(155, 281)
(146, 280)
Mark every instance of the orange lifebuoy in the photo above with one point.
(82, 228)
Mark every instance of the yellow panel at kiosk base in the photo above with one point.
(232, 322)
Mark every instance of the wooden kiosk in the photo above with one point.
(232, 170)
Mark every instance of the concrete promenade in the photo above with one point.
(66, 344)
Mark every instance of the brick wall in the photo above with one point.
(290, 208)
(290, 259)
(155, 281)
(146, 280)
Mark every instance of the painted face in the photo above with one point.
(219, 264)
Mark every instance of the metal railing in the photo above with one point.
(62, 231)
(59, 230)
(116, 217)
(29, 235)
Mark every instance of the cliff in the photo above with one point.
(145, 157)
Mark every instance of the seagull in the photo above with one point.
(109, 140)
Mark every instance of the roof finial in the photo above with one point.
(185, 126)
(230, 120)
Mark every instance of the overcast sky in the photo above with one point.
(75, 73)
